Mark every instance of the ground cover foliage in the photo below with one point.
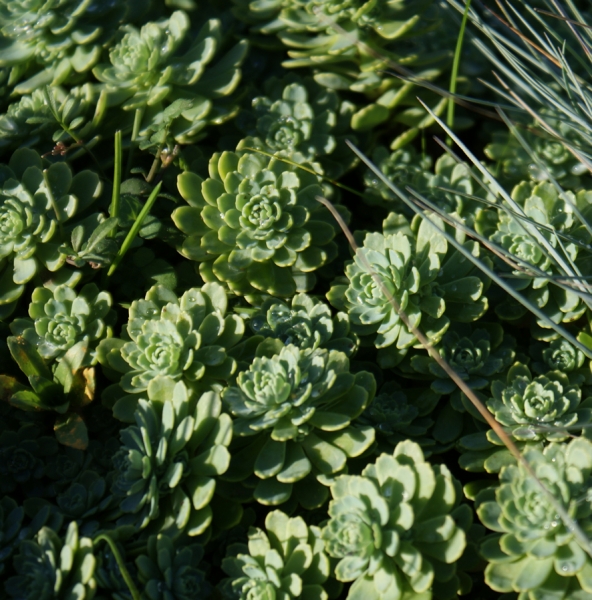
(205, 390)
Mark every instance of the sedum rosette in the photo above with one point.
(30, 122)
(285, 561)
(476, 355)
(55, 42)
(549, 245)
(168, 462)
(560, 355)
(172, 339)
(170, 572)
(34, 204)
(306, 323)
(61, 318)
(301, 120)
(23, 455)
(449, 184)
(398, 415)
(152, 67)
(548, 157)
(11, 529)
(333, 38)
(54, 568)
(403, 167)
(86, 500)
(547, 407)
(108, 573)
(293, 418)
(393, 528)
(533, 552)
(453, 188)
(255, 225)
(431, 283)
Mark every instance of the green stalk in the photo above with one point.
(138, 115)
(119, 560)
(133, 232)
(455, 65)
(114, 208)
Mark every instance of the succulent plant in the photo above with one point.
(549, 158)
(325, 36)
(51, 567)
(22, 458)
(451, 176)
(84, 500)
(173, 339)
(56, 42)
(431, 283)
(403, 167)
(476, 354)
(54, 115)
(554, 218)
(532, 551)
(11, 529)
(295, 410)
(287, 560)
(34, 203)
(560, 355)
(255, 225)
(546, 407)
(333, 38)
(448, 184)
(169, 460)
(14, 123)
(110, 581)
(61, 318)
(165, 61)
(397, 415)
(306, 322)
(300, 120)
(66, 465)
(393, 527)
(170, 572)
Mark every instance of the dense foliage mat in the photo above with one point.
(208, 387)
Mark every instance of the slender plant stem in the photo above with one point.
(455, 65)
(121, 564)
(133, 232)
(115, 198)
(138, 115)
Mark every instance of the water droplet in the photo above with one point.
(257, 323)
